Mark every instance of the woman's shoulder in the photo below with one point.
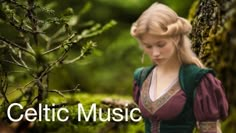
(142, 72)
(210, 100)
(190, 76)
(210, 83)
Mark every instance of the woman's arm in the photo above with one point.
(210, 105)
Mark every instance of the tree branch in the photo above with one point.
(64, 104)
(15, 45)
(51, 50)
(20, 65)
(33, 19)
(89, 46)
(58, 92)
(17, 4)
(75, 89)
(4, 84)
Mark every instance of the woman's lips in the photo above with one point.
(157, 60)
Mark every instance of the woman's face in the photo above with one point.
(159, 49)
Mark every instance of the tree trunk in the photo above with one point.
(214, 39)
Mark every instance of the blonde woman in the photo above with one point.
(177, 93)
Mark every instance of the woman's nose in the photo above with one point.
(155, 52)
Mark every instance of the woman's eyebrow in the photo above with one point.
(159, 41)
(145, 43)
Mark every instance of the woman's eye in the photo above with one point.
(148, 46)
(161, 45)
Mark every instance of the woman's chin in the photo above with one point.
(160, 62)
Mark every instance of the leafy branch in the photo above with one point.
(36, 51)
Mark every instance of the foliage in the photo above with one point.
(40, 42)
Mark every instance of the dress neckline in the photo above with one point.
(153, 85)
(153, 106)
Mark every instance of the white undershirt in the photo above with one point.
(152, 91)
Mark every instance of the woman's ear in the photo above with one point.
(133, 29)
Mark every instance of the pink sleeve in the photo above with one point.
(210, 102)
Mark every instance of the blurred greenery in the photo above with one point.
(110, 68)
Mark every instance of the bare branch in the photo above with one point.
(75, 89)
(13, 58)
(15, 45)
(57, 91)
(21, 28)
(89, 46)
(52, 50)
(74, 60)
(22, 61)
(40, 91)
(64, 104)
(4, 86)
(20, 65)
(45, 37)
(27, 42)
(33, 19)
(64, 43)
(22, 88)
(29, 46)
(31, 102)
(53, 64)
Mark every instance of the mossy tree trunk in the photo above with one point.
(214, 39)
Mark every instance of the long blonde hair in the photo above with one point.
(160, 20)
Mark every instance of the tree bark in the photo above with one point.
(214, 39)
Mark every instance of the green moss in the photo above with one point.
(192, 10)
(213, 38)
(73, 125)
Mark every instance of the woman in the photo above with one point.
(177, 92)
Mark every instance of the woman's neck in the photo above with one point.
(172, 66)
